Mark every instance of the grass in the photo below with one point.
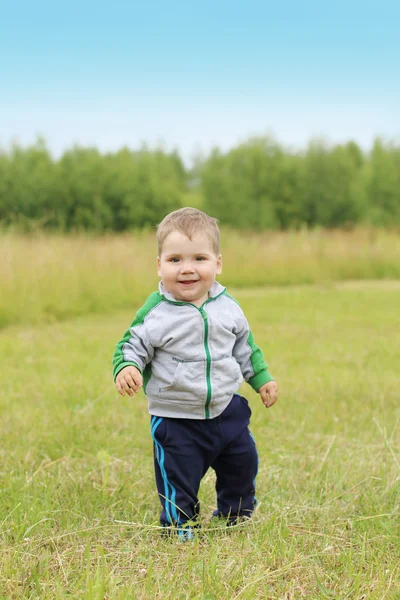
(78, 504)
(52, 278)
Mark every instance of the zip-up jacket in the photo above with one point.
(193, 359)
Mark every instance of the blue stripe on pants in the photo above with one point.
(170, 506)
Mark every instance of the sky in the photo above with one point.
(194, 75)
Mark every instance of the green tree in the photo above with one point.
(328, 184)
(241, 187)
(28, 184)
(382, 185)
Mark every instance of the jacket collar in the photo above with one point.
(215, 290)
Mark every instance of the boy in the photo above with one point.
(189, 347)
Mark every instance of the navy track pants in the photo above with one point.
(184, 449)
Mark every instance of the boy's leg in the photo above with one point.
(182, 455)
(237, 464)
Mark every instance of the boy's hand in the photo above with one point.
(129, 380)
(269, 393)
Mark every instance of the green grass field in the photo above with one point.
(79, 509)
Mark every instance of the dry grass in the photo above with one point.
(48, 278)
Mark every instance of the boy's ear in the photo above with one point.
(219, 264)
(158, 266)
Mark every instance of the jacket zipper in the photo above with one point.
(208, 365)
(207, 349)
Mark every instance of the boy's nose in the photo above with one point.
(187, 267)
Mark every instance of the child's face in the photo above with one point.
(188, 267)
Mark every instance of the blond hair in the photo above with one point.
(188, 221)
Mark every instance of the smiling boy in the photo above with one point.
(190, 346)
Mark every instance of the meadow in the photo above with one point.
(79, 511)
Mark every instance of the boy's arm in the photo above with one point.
(135, 348)
(250, 357)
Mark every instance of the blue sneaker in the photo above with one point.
(185, 533)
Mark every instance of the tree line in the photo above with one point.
(258, 184)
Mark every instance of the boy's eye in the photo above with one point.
(174, 260)
(200, 258)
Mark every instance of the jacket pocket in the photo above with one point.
(188, 383)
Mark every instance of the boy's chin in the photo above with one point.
(192, 298)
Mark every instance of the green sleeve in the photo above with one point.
(249, 355)
(135, 348)
(260, 367)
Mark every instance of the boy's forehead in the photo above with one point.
(177, 241)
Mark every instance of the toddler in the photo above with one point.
(190, 346)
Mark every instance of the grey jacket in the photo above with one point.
(192, 359)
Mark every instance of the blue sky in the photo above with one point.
(192, 75)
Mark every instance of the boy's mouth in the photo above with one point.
(188, 282)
